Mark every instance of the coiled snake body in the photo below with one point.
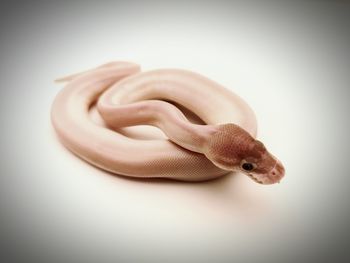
(126, 97)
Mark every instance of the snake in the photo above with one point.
(125, 96)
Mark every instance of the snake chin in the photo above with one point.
(255, 179)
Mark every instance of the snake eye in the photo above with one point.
(247, 166)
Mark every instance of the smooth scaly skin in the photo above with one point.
(131, 98)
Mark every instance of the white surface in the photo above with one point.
(284, 62)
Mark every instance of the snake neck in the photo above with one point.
(161, 114)
(190, 136)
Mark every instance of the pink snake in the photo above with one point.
(193, 152)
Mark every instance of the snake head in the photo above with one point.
(232, 148)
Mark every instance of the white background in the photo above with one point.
(289, 62)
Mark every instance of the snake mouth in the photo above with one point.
(254, 178)
(226, 166)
